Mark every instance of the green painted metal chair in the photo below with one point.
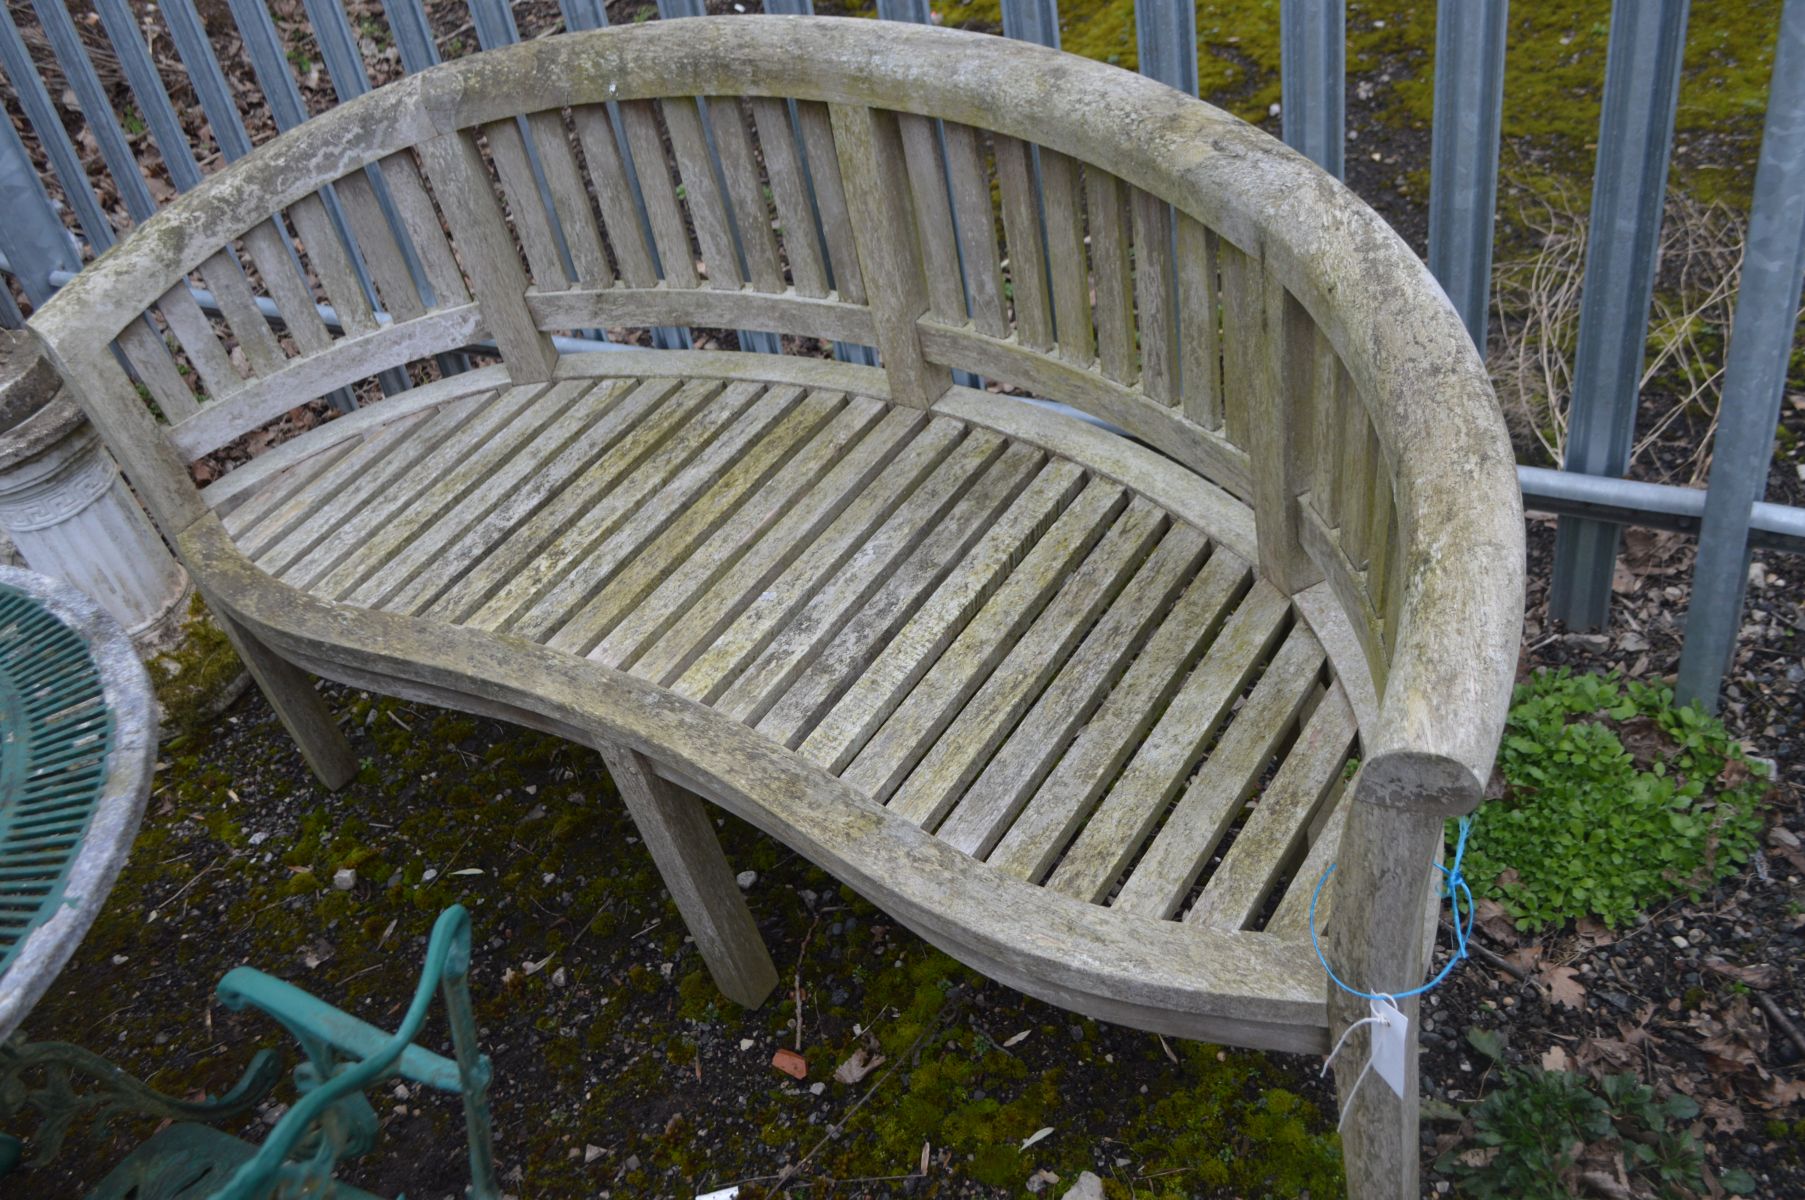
(332, 1120)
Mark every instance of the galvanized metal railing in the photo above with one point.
(1594, 502)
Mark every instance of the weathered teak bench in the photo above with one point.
(1072, 701)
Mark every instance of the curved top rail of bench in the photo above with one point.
(1401, 342)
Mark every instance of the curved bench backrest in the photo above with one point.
(1186, 278)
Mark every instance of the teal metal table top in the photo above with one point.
(77, 744)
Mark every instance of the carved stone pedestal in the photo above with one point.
(67, 509)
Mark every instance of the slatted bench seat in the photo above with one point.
(1072, 689)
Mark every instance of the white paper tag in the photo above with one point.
(1391, 1042)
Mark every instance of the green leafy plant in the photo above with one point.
(1615, 797)
(1542, 1132)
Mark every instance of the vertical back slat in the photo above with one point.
(1107, 206)
(151, 362)
(1021, 229)
(521, 189)
(869, 146)
(669, 232)
(570, 198)
(706, 210)
(1200, 350)
(199, 342)
(271, 251)
(1065, 256)
(830, 200)
(976, 213)
(382, 254)
(338, 277)
(745, 193)
(242, 316)
(1241, 318)
(614, 195)
(421, 220)
(1280, 426)
(789, 190)
(1334, 392)
(1153, 297)
(933, 218)
(461, 181)
(1357, 474)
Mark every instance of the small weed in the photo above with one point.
(1615, 798)
(1543, 1132)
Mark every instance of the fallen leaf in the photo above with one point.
(861, 1064)
(1761, 976)
(790, 1063)
(1724, 1116)
(1611, 1052)
(1555, 1059)
(1017, 1039)
(1039, 1135)
(1563, 986)
(1644, 739)
(1593, 932)
(1496, 923)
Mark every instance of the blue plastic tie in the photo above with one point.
(1455, 889)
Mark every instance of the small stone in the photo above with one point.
(559, 978)
(746, 879)
(258, 838)
(632, 1163)
(1698, 937)
(1274, 109)
(815, 1089)
(746, 1043)
(591, 1152)
(1681, 943)
(345, 878)
(1088, 1187)
(429, 874)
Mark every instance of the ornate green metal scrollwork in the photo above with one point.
(110, 1093)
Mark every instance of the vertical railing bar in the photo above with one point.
(147, 88)
(28, 87)
(1313, 79)
(283, 96)
(590, 14)
(10, 316)
(209, 82)
(757, 341)
(97, 109)
(413, 34)
(1641, 86)
(1767, 305)
(32, 236)
(1463, 154)
(846, 352)
(1034, 21)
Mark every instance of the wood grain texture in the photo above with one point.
(701, 194)
(745, 193)
(975, 211)
(607, 173)
(1107, 210)
(570, 198)
(331, 263)
(267, 246)
(933, 218)
(790, 195)
(1154, 296)
(1027, 256)
(670, 233)
(377, 246)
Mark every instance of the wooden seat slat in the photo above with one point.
(270, 513)
(881, 764)
(1291, 919)
(1083, 773)
(394, 554)
(714, 479)
(934, 513)
(762, 652)
(988, 806)
(1169, 753)
(961, 750)
(721, 504)
(418, 575)
(251, 508)
(748, 605)
(1157, 885)
(482, 560)
(748, 410)
(591, 526)
(326, 510)
(508, 416)
(1273, 836)
(724, 548)
(914, 599)
(649, 418)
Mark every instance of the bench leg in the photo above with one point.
(292, 694)
(675, 826)
(1375, 941)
